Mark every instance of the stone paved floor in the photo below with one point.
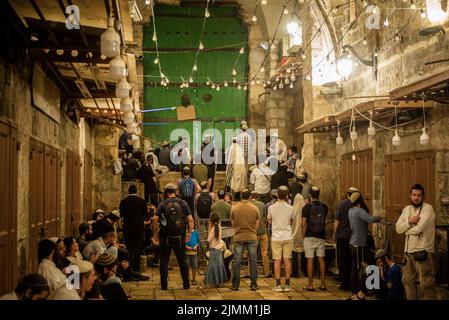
(149, 290)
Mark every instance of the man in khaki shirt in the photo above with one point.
(417, 222)
(245, 221)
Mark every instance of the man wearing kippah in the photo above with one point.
(359, 220)
(221, 208)
(341, 237)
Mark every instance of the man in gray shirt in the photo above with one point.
(302, 178)
(359, 220)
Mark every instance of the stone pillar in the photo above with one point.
(279, 107)
(107, 186)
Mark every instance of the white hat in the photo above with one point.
(84, 266)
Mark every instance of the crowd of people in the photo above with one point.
(277, 221)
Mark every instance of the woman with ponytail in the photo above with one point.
(216, 272)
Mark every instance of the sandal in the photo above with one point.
(309, 289)
(355, 297)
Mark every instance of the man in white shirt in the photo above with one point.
(261, 179)
(98, 246)
(417, 222)
(280, 216)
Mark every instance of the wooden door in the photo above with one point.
(73, 190)
(8, 208)
(88, 201)
(36, 201)
(402, 171)
(358, 173)
(44, 196)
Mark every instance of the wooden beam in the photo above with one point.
(324, 121)
(421, 85)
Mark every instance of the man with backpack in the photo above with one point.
(173, 216)
(314, 231)
(187, 187)
(204, 201)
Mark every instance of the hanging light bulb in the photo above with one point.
(275, 87)
(122, 88)
(262, 69)
(234, 81)
(191, 79)
(207, 13)
(167, 80)
(156, 61)
(187, 85)
(287, 80)
(371, 130)
(239, 87)
(353, 157)
(213, 86)
(110, 41)
(365, 42)
(253, 82)
(303, 56)
(386, 22)
(218, 88)
(226, 84)
(254, 18)
(291, 85)
(126, 105)
(396, 141)
(182, 85)
(234, 73)
(354, 134)
(293, 78)
(281, 85)
(339, 139)
(258, 81)
(162, 75)
(242, 50)
(154, 37)
(285, 11)
(424, 139)
(245, 88)
(397, 37)
(195, 67)
(412, 5)
(268, 82)
(264, 2)
(201, 46)
(423, 14)
(289, 70)
(117, 68)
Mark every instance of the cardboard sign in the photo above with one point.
(186, 113)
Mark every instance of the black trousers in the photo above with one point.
(178, 245)
(295, 263)
(358, 275)
(191, 203)
(134, 245)
(344, 262)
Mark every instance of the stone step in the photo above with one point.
(173, 177)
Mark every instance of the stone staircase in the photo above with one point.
(172, 177)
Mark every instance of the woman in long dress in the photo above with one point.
(236, 175)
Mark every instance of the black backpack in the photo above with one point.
(175, 219)
(203, 205)
(317, 219)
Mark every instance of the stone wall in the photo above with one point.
(16, 104)
(400, 62)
